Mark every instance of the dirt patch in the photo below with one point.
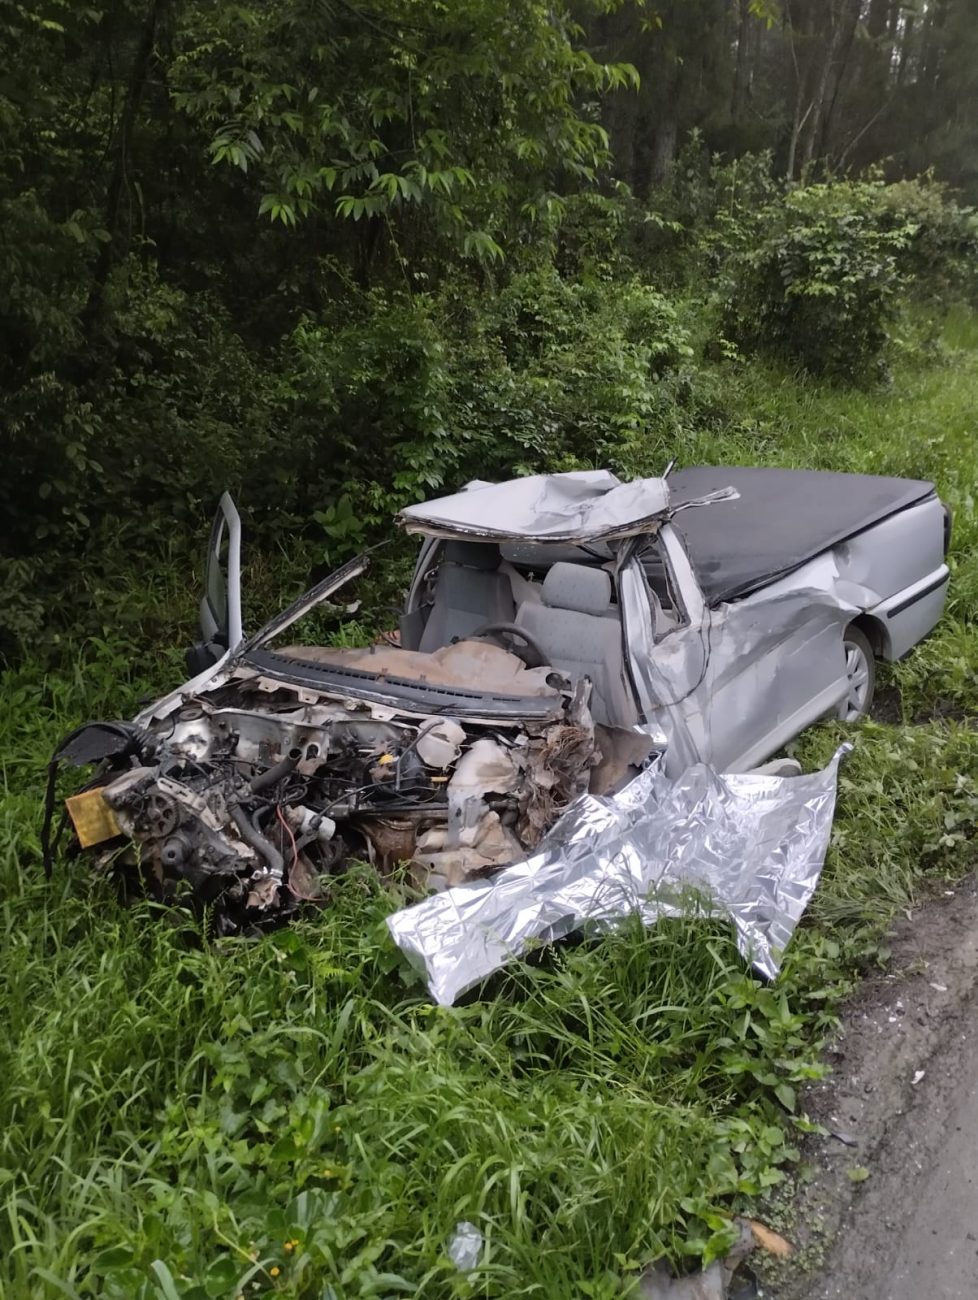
(893, 1192)
(887, 705)
(888, 708)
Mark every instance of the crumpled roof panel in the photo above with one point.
(580, 506)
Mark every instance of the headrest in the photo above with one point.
(472, 555)
(577, 587)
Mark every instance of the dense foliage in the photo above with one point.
(335, 256)
(829, 265)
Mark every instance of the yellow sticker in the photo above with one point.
(93, 819)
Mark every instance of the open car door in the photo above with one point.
(220, 605)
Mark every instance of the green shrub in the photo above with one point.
(419, 394)
(824, 279)
(115, 460)
(940, 258)
(821, 285)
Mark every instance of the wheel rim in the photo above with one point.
(857, 673)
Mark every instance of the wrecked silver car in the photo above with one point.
(559, 632)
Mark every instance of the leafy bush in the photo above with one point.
(822, 283)
(116, 459)
(423, 393)
(939, 260)
(820, 286)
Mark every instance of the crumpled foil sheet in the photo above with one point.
(752, 844)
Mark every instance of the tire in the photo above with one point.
(861, 672)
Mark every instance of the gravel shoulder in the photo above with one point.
(890, 1211)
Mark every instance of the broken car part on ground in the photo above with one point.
(563, 636)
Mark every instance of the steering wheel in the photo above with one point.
(499, 633)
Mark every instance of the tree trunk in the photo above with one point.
(664, 147)
(830, 58)
(614, 37)
(754, 57)
(878, 18)
(932, 56)
(875, 64)
(801, 21)
(797, 126)
(851, 22)
(893, 23)
(906, 42)
(110, 251)
(741, 69)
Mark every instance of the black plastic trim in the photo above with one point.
(918, 595)
(353, 683)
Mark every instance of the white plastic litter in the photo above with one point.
(465, 1246)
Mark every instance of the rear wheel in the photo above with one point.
(860, 674)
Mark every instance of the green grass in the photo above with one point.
(292, 1117)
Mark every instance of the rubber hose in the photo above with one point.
(262, 846)
(274, 774)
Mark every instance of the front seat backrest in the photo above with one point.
(469, 591)
(580, 632)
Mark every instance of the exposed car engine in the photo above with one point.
(246, 799)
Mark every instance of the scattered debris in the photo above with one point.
(659, 1284)
(842, 1135)
(721, 1280)
(769, 1240)
(465, 1246)
(753, 846)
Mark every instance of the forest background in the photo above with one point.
(336, 257)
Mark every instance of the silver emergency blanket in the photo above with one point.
(580, 506)
(752, 845)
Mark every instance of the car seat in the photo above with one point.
(579, 630)
(469, 591)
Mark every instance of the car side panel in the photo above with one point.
(899, 563)
(745, 677)
(776, 660)
(897, 552)
(776, 666)
(909, 615)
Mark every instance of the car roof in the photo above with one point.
(781, 519)
(583, 505)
